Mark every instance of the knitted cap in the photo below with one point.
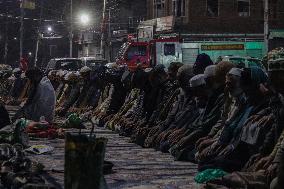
(276, 65)
(236, 72)
(147, 70)
(16, 70)
(70, 76)
(85, 69)
(210, 71)
(197, 80)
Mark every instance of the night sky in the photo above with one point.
(55, 14)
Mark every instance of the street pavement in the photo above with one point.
(134, 167)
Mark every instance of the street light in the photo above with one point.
(84, 19)
(49, 29)
(30, 54)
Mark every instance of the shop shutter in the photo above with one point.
(189, 55)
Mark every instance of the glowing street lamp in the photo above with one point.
(49, 29)
(84, 19)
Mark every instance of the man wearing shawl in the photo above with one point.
(209, 145)
(184, 74)
(203, 124)
(198, 92)
(229, 140)
(262, 169)
(41, 101)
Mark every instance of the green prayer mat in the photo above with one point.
(208, 175)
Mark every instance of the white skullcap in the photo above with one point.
(148, 70)
(66, 76)
(16, 70)
(52, 73)
(12, 78)
(85, 69)
(111, 65)
(59, 73)
(78, 73)
(236, 72)
(210, 71)
(197, 80)
(64, 73)
(23, 75)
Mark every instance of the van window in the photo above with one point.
(70, 65)
(169, 50)
(94, 63)
(254, 62)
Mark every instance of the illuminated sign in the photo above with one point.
(223, 47)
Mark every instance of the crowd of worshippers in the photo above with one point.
(219, 116)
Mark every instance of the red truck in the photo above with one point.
(163, 50)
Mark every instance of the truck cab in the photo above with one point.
(148, 54)
(133, 53)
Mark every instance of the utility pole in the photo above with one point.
(6, 37)
(266, 25)
(21, 33)
(102, 47)
(109, 35)
(38, 33)
(71, 30)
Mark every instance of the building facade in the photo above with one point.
(218, 16)
(217, 27)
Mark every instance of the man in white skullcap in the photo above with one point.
(199, 89)
(201, 126)
(210, 76)
(233, 84)
(86, 92)
(85, 69)
(197, 80)
(210, 71)
(209, 145)
(199, 94)
(70, 95)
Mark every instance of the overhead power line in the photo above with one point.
(27, 18)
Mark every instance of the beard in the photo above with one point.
(235, 92)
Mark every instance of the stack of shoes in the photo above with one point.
(17, 171)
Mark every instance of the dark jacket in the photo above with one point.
(4, 117)
(277, 106)
(166, 90)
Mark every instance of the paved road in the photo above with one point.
(134, 167)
